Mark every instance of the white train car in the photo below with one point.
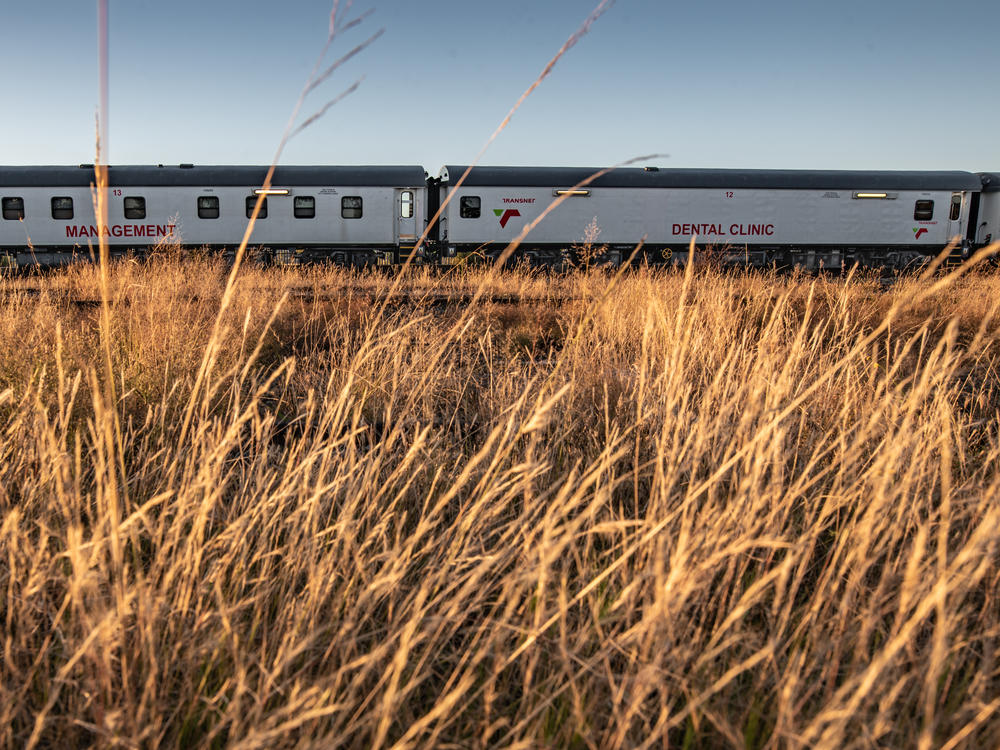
(815, 219)
(988, 227)
(352, 215)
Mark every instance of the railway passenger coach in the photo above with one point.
(755, 217)
(384, 215)
(351, 215)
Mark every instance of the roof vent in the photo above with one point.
(187, 166)
(650, 169)
(86, 166)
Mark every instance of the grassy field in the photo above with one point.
(663, 509)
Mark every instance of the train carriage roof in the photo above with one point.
(213, 176)
(712, 178)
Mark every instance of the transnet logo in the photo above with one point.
(917, 232)
(506, 214)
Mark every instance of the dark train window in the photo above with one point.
(304, 207)
(956, 206)
(135, 208)
(350, 207)
(208, 207)
(251, 202)
(62, 208)
(469, 207)
(923, 210)
(13, 208)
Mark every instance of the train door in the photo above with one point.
(406, 221)
(957, 217)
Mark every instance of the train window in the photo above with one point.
(469, 207)
(956, 206)
(350, 207)
(406, 204)
(62, 208)
(251, 202)
(13, 208)
(923, 210)
(135, 208)
(304, 207)
(208, 207)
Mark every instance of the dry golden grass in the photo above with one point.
(662, 509)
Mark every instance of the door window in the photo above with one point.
(956, 207)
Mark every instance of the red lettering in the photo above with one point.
(116, 231)
(717, 229)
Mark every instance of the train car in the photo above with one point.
(814, 219)
(988, 226)
(350, 215)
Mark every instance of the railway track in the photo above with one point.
(395, 299)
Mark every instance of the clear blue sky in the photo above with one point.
(729, 83)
